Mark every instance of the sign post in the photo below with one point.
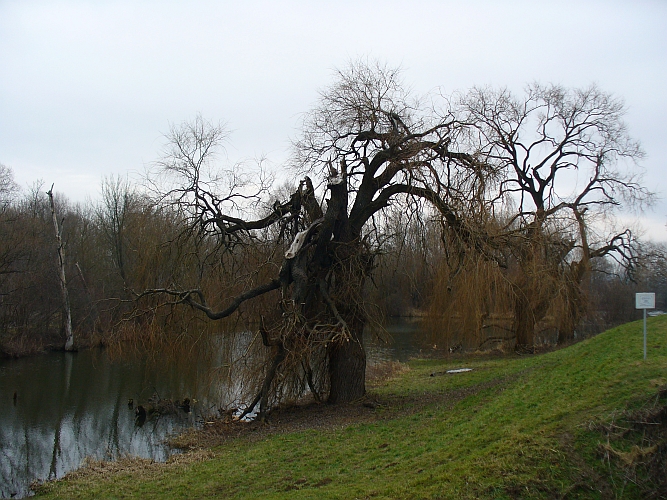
(645, 301)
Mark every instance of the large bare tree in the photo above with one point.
(567, 163)
(521, 183)
(366, 145)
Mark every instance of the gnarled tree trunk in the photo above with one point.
(524, 325)
(347, 369)
(529, 309)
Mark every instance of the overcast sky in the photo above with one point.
(88, 88)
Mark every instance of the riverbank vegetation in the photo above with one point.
(128, 242)
(586, 421)
(492, 211)
(122, 243)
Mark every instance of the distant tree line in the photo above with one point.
(466, 213)
(127, 242)
(112, 247)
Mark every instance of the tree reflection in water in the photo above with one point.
(57, 409)
(70, 406)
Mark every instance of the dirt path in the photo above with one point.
(311, 415)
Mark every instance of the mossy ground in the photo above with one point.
(514, 427)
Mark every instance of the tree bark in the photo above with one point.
(347, 369)
(69, 335)
(565, 335)
(527, 314)
(524, 325)
(576, 304)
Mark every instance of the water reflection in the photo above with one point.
(59, 408)
(70, 406)
(399, 340)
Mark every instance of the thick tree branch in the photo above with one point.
(187, 297)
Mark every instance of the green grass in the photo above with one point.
(514, 427)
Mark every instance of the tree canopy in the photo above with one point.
(516, 183)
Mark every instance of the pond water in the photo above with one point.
(58, 408)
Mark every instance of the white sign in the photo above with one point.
(645, 301)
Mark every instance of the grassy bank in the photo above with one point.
(543, 426)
